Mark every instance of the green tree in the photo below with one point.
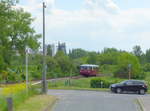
(16, 31)
(109, 50)
(92, 58)
(147, 56)
(53, 68)
(123, 62)
(109, 56)
(15, 34)
(146, 67)
(77, 53)
(9, 2)
(138, 52)
(65, 63)
(49, 50)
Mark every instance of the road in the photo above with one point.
(70, 100)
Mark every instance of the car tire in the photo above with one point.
(119, 90)
(142, 91)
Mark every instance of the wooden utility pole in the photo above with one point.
(129, 66)
(27, 80)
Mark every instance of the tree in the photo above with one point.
(78, 53)
(21, 34)
(123, 62)
(49, 50)
(92, 58)
(146, 67)
(53, 68)
(138, 52)
(108, 56)
(1, 63)
(64, 62)
(15, 34)
(109, 50)
(16, 31)
(147, 55)
(9, 2)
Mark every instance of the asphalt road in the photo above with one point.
(70, 100)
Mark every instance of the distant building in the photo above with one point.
(62, 47)
(52, 49)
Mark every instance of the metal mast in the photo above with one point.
(44, 88)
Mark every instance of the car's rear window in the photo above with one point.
(138, 82)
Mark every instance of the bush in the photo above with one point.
(104, 82)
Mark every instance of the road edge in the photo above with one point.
(80, 89)
(50, 106)
(140, 103)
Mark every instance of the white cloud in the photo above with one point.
(102, 24)
(107, 5)
(50, 3)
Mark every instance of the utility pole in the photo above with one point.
(129, 66)
(27, 79)
(44, 88)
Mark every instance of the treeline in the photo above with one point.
(112, 62)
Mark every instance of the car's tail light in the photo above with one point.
(145, 86)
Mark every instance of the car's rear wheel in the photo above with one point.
(142, 91)
(118, 90)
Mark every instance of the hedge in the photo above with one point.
(103, 82)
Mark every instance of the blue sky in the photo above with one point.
(94, 24)
(127, 4)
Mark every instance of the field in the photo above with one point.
(79, 84)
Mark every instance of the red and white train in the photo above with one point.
(89, 70)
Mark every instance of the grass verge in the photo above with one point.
(18, 94)
(38, 103)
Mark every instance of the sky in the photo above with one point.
(93, 24)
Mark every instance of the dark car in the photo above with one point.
(129, 86)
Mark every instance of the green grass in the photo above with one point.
(3, 104)
(80, 83)
(75, 84)
(18, 98)
(37, 103)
